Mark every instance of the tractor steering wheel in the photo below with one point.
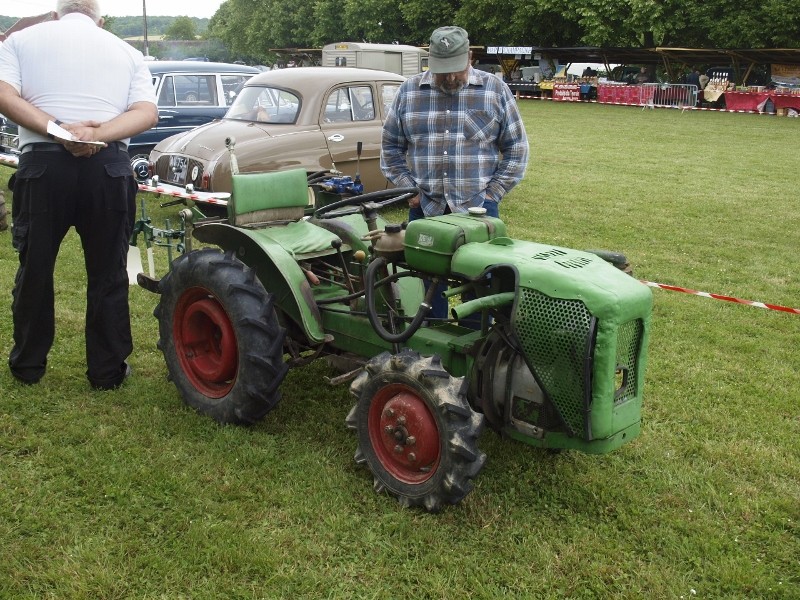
(352, 205)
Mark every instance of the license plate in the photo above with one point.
(178, 165)
(8, 140)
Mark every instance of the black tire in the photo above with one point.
(416, 431)
(220, 337)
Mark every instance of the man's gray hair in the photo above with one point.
(90, 8)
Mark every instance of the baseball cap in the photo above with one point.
(449, 50)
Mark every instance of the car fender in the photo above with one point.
(276, 269)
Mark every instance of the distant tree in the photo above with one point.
(182, 28)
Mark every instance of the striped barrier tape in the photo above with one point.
(675, 288)
(223, 200)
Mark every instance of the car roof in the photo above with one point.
(158, 67)
(322, 76)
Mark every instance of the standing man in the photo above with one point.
(96, 86)
(454, 132)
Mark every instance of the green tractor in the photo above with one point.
(545, 345)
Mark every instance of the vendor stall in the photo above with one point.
(757, 101)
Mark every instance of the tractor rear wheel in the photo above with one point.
(220, 337)
(416, 431)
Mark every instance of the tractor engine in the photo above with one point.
(562, 365)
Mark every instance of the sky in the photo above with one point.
(121, 8)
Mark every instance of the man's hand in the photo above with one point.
(413, 202)
(79, 150)
(84, 131)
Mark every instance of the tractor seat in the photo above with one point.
(272, 205)
(262, 198)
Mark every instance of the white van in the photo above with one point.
(396, 58)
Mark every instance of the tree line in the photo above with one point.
(250, 29)
(253, 27)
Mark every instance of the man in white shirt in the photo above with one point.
(75, 74)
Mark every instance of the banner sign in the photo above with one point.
(789, 74)
(567, 92)
(509, 50)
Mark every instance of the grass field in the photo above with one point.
(130, 494)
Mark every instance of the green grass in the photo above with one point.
(130, 494)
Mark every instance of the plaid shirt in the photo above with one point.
(462, 149)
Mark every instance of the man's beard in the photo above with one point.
(451, 89)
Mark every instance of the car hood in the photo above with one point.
(208, 141)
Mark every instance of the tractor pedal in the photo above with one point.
(343, 377)
(148, 283)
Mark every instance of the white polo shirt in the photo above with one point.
(75, 71)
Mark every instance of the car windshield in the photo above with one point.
(264, 105)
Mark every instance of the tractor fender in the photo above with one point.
(276, 268)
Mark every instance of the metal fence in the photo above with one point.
(668, 95)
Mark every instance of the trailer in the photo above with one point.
(397, 58)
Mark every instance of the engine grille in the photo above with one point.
(555, 335)
(629, 339)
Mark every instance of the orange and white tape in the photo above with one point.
(675, 288)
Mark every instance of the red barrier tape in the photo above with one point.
(186, 195)
(675, 288)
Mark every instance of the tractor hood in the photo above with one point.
(583, 327)
(559, 273)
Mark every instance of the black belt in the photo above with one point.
(54, 147)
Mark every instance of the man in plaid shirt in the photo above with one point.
(454, 132)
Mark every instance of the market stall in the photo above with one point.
(757, 101)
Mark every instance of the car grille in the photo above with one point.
(9, 142)
(178, 170)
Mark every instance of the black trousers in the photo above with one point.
(54, 191)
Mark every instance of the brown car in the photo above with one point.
(309, 117)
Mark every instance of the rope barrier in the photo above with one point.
(675, 288)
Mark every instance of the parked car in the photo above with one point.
(314, 118)
(190, 93)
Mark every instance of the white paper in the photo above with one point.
(62, 134)
(134, 264)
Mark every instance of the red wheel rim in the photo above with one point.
(404, 434)
(205, 342)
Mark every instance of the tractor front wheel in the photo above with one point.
(416, 431)
(220, 337)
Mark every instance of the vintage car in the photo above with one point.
(315, 118)
(189, 94)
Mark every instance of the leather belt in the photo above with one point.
(54, 147)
